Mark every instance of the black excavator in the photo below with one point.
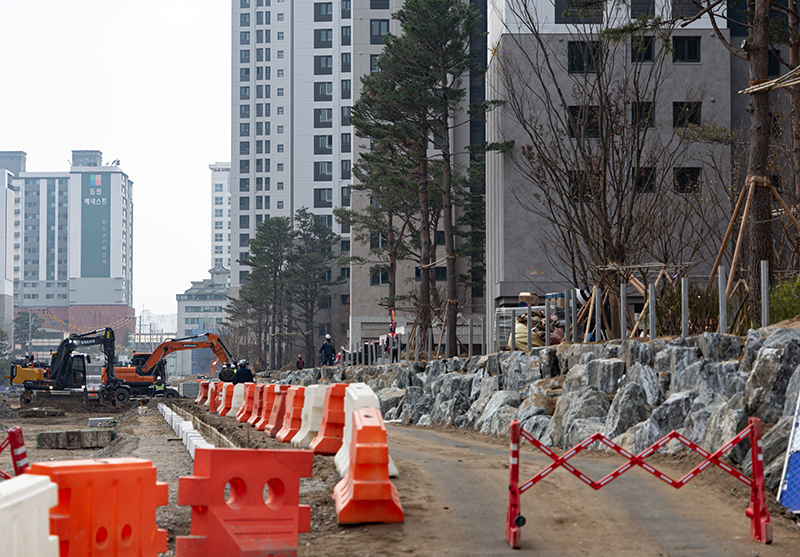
(67, 370)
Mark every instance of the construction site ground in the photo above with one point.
(453, 485)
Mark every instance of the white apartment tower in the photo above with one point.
(220, 214)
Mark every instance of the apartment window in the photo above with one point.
(244, 4)
(218, 188)
(280, 91)
(345, 143)
(323, 171)
(685, 8)
(280, 147)
(244, 56)
(373, 63)
(260, 91)
(280, 167)
(280, 111)
(323, 198)
(345, 89)
(218, 200)
(643, 114)
(244, 184)
(642, 49)
(378, 28)
(345, 165)
(323, 117)
(323, 11)
(584, 121)
(244, 111)
(280, 129)
(646, 180)
(685, 49)
(345, 9)
(280, 73)
(244, 241)
(280, 35)
(244, 129)
(323, 65)
(345, 196)
(583, 56)
(260, 18)
(244, 37)
(578, 12)
(244, 74)
(280, 16)
(642, 7)
(260, 36)
(379, 278)
(345, 62)
(244, 221)
(323, 38)
(323, 91)
(344, 272)
(323, 144)
(687, 180)
(244, 20)
(266, 202)
(280, 55)
(378, 4)
(260, 54)
(686, 113)
(346, 35)
(280, 204)
(327, 222)
(280, 187)
(345, 115)
(344, 246)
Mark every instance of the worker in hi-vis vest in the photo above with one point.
(393, 344)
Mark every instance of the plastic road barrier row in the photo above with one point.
(25, 503)
(202, 395)
(312, 416)
(278, 411)
(212, 396)
(262, 514)
(331, 429)
(760, 526)
(106, 507)
(267, 402)
(258, 401)
(366, 494)
(238, 399)
(227, 399)
(357, 395)
(15, 443)
(246, 409)
(293, 418)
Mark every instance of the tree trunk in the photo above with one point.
(451, 311)
(424, 319)
(759, 227)
(794, 95)
(392, 260)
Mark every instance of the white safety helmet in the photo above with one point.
(327, 337)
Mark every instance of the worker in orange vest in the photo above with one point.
(393, 344)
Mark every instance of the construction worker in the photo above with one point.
(243, 373)
(158, 387)
(393, 344)
(327, 351)
(226, 374)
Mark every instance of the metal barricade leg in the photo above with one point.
(760, 526)
(514, 520)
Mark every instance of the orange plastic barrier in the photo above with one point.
(366, 494)
(278, 411)
(246, 410)
(202, 395)
(246, 524)
(266, 407)
(227, 399)
(331, 430)
(212, 396)
(19, 455)
(255, 416)
(293, 418)
(106, 507)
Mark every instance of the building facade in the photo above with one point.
(73, 245)
(7, 245)
(221, 214)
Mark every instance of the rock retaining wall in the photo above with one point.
(705, 387)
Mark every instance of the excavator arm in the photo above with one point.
(207, 340)
(60, 362)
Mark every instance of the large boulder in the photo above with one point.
(774, 445)
(777, 360)
(476, 364)
(499, 400)
(752, 344)
(416, 403)
(633, 351)
(588, 402)
(628, 409)
(582, 428)
(673, 360)
(548, 362)
(450, 384)
(694, 428)
(670, 415)
(719, 347)
(530, 407)
(603, 374)
(792, 394)
(648, 380)
(447, 409)
(390, 397)
(706, 377)
(726, 421)
(537, 426)
(517, 370)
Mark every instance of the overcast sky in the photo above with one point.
(143, 81)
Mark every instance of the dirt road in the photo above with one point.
(453, 487)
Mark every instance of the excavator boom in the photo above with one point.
(207, 340)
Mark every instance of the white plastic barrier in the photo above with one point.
(238, 399)
(357, 395)
(25, 503)
(176, 425)
(313, 407)
(185, 429)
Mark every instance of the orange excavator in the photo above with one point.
(146, 367)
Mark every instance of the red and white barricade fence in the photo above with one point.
(760, 527)
(19, 455)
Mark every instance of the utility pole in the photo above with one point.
(30, 333)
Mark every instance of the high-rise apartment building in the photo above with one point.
(291, 90)
(220, 214)
(73, 243)
(7, 246)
